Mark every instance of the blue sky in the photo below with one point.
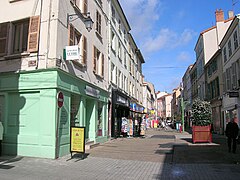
(166, 32)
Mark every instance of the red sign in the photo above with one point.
(60, 99)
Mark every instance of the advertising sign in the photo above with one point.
(77, 139)
(71, 52)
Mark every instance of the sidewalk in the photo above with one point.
(169, 146)
(159, 155)
(211, 153)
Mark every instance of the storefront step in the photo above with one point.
(91, 144)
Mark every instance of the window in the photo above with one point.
(225, 54)
(4, 28)
(119, 78)
(229, 48)
(20, 37)
(235, 39)
(98, 63)
(238, 71)
(125, 59)
(24, 36)
(113, 42)
(100, 2)
(234, 75)
(98, 23)
(75, 38)
(120, 51)
(81, 5)
(119, 26)
(228, 79)
(224, 82)
(112, 72)
(113, 15)
(116, 75)
(214, 66)
(83, 53)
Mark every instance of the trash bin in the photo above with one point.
(178, 126)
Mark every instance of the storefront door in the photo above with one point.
(75, 104)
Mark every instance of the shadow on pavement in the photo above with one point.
(205, 153)
(6, 160)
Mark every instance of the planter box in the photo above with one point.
(201, 134)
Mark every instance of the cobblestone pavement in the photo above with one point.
(160, 155)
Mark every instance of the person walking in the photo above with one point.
(232, 134)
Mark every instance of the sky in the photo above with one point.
(166, 32)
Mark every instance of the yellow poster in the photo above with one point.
(77, 139)
(155, 124)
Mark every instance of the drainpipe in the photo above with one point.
(39, 33)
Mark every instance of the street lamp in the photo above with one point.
(85, 18)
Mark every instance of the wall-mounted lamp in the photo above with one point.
(84, 16)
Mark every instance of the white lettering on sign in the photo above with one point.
(92, 92)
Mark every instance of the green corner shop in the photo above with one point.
(32, 122)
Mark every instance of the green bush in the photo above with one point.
(202, 113)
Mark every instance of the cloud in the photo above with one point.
(168, 39)
(184, 56)
(142, 14)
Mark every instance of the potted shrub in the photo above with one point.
(202, 121)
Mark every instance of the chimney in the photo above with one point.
(219, 15)
(230, 14)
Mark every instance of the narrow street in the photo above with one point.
(160, 155)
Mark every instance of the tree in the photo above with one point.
(202, 113)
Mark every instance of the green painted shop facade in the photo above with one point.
(33, 123)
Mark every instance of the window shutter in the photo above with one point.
(102, 65)
(84, 49)
(4, 29)
(85, 6)
(94, 59)
(33, 34)
(71, 35)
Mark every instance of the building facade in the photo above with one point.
(231, 73)
(214, 90)
(125, 69)
(46, 49)
(207, 45)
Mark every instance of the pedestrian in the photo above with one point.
(232, 134)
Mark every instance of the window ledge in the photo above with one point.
(15, 56)
(11, 1)
(79, 63)
(98, 75)
(98, 35)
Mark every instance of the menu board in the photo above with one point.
(77, 139)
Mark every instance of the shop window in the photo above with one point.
(100, 118)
